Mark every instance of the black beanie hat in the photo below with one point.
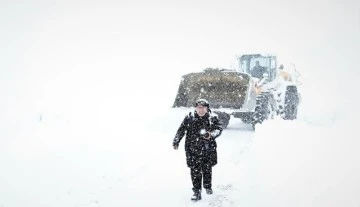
(202, 102)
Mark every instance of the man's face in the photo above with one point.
(201, 110)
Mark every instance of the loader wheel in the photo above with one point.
(247, 118)
(291, 103)
(263, 109)
(224, 118)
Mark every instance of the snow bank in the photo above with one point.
(299, 164)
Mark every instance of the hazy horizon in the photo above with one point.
(48, 46)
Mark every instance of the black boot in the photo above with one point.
(197, 195)
(209, 191)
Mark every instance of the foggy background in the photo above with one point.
(94, 58)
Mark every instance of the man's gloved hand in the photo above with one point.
(207, 136)
(176, 146)
(204, 134)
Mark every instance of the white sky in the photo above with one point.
(61, 50)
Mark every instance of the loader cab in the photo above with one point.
(257, 65)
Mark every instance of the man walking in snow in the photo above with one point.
(201, 129)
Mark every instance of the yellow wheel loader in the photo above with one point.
(256, 91)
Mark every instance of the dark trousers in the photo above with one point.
(201, 172)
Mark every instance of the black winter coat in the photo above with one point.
(199, 150)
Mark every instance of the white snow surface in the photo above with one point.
(128, 160)
(86, 90)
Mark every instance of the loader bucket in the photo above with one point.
(223, 89)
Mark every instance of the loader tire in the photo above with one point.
(247, 118)
(224, 118)
(262, 109)
(291, 103)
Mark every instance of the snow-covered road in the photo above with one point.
(60, 162)
(123, 160)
